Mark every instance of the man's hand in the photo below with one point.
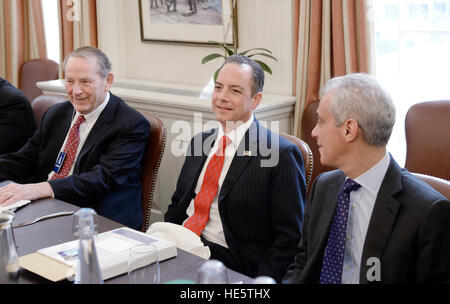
(13, 192)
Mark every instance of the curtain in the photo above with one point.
(333, 38)
(22, 36)
(78, 22)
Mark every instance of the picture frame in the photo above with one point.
(194, 22)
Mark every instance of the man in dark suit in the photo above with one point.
(393, 228)
(252, 221)
(17, 122)
(87, 151)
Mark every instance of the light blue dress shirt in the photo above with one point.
(362, 202)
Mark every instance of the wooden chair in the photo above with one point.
(33, 71)
(41, 103)
(427, 126)
(440, 185)
(151, 162)
(307, 156)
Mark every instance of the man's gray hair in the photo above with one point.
(92, 52)
(361, 97)
(257, 71)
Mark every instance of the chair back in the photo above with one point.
(41, 103)
(440, 185)
(309, 121)
(427, 126)
(307, 154)
(33, 71)
(151, 162)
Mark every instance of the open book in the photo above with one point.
(112, 249)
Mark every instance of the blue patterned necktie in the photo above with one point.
(334, 251)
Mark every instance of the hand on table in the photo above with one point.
(13, 192)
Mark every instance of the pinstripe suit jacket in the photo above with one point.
(261, 202)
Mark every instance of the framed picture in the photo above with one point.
(189, 21)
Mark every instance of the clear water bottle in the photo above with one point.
(88, 268)
(9, 259)
(212, 272)
(264, 280)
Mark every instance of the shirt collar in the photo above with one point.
(236, 135)
(91, 118)
(372, 179)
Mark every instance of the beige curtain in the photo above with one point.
(22, 36)
(334, 38)
(78, 23)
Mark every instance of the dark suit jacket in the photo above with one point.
(106, 175)
(17, 122)
(409, 230)
(261, 208)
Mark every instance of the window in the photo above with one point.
(412, 57)
(51, 26)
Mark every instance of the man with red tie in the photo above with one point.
(88, 151)
(242, 187)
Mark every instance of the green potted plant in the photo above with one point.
(249, 53)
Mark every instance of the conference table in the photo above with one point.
(58, 230)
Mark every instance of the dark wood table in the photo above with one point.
(57, 230)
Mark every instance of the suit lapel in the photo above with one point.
(99, 129)
(327, 213)
(383, 218)
(64, 122)
(58, 134)
(247, 150)
(197, 162)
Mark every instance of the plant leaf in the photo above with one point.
(215, 75)
(211, 57)
(227, 49)
(263, 54)
(264, 66)
(255, 49)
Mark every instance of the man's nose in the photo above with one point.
(314, 132)
(76, 89)
(224, 94)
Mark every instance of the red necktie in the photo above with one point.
(70, 148)
(208, 190)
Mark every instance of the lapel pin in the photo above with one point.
(247, 153)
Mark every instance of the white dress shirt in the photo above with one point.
(362, 202)
(213, 231)
(85, 129)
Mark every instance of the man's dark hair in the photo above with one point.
(257, 71)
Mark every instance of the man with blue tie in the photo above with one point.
(370, 221)
(87, 151)
(242, 187)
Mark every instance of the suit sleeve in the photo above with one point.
(433, 262)
(119, 165)
(17, 123)
(295, 269)
(287, 204)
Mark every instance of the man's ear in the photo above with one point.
(256, 100)
(109, 81)
(351, 129)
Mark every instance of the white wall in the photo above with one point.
(261, 23)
